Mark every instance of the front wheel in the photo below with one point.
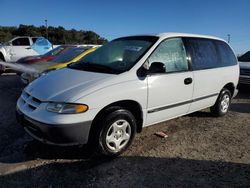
(116, 132)
(222, 104)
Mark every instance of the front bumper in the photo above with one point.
(62, 135)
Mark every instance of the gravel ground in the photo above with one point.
(200, 150)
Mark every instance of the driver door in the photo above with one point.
(169, 93)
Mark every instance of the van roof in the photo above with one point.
(187, 35)
(172, 34)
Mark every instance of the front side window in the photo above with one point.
(172, 54)
(21, 42)
(117, 56)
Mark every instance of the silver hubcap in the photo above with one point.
(225, 103)
(118, 135)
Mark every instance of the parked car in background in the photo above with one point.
(20, 47)
(244, 62)
(45, 57)
(61, 61)
(130, 83)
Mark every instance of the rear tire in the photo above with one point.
(114, 132)
(222, 104)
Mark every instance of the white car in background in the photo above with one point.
(21, 47)
(244, 62)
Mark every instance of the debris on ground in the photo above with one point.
(161, 134)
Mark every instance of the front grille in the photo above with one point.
(32, 107)
(245, 72)
(32, 103)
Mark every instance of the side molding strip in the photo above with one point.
(181, 103)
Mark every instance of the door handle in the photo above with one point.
(28, 48)
(188, 81)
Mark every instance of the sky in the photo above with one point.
(114, 18)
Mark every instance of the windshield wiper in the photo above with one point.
(94, 67)
(99, 67)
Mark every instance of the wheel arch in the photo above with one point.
(130, 105)
(231, 87)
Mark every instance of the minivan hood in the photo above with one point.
(244, 65)
(66, 85)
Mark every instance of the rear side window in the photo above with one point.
(203, 53)
(34, 39)
(226, 55)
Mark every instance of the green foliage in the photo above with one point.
(56, 35)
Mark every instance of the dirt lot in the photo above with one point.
(201, 150)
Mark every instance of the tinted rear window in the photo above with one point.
(203, 53)
(226, 55)
(206, 53)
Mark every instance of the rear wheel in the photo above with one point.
(115, 132)
(222, 104)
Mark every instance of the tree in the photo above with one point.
(57, 35)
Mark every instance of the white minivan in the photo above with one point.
(129, 83)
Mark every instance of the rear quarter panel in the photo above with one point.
(211, 81)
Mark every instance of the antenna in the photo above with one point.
(228, 38)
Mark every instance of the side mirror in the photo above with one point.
(142, 72)
(157, 67)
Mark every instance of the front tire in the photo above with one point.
(116, 132)
(222, 105)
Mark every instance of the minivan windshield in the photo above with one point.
(117, 56)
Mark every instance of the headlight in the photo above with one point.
(66, 108)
